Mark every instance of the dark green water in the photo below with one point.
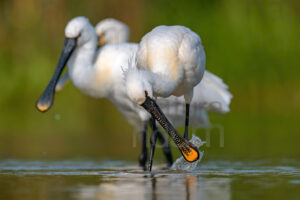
(88, 179)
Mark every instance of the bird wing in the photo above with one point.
(212, 94)
(62, 82)
(174, 108)
(192, 57)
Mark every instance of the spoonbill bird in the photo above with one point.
(170, 61)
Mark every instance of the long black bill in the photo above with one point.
(45, 101)
(187, 149)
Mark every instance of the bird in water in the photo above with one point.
(214, 87)
(170, 60)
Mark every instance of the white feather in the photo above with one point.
(176, 54)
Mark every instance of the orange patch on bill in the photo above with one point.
(42, 108)
(192, 155)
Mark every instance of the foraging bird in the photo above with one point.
(170, 61)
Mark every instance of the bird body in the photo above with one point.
(211, 94)
(114, 58)
(170, 60)
(176, 54)
(99, 74)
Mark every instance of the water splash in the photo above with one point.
(182, 164)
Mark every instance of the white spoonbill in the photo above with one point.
(170, 61)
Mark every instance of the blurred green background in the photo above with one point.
(253, 45)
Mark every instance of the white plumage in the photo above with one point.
(176, 55)
(210, 94)
(170, 61)
(99, 74)
(109, 31)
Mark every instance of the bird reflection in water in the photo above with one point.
(157, 186)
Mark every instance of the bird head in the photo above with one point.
(137, 85)
(77, 32)
(81, 28)
(112, 31)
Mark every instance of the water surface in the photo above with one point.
(90, 179)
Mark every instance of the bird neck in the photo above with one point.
(83, 72)
(123, 35)
(118, 34)
(162, 86)
(81, 65)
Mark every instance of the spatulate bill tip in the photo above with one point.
(190, 153)
(43, 107)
